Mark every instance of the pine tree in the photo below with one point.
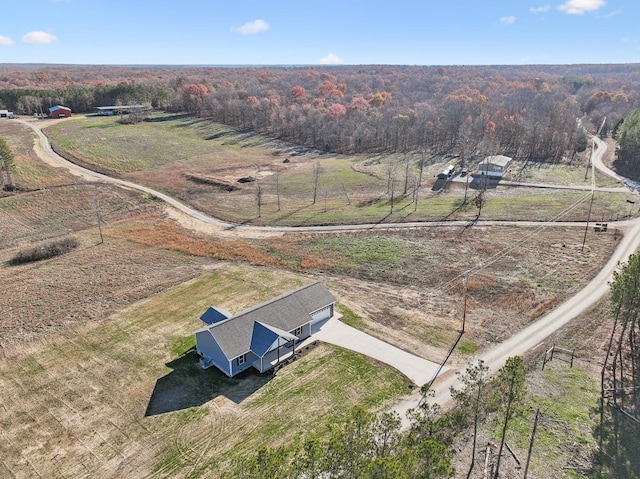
(509, 391)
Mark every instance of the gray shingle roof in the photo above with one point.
(286, 312)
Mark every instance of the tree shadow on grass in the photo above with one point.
(188, 385)
(159, 119)
(479, 182)
(619, 438)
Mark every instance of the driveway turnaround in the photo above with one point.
(334, 331)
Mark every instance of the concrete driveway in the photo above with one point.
(417, 369)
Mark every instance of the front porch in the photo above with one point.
(275, 357)
(285, 351)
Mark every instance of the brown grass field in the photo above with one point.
(96, 374)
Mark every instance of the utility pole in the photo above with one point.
(97, 210)
(586, 228)
(278, 186)
(466, 185)
(464, 310)
(533, 435)
(593, 191)
(259, 198)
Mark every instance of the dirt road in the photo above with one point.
(532, 336)
(518, 344)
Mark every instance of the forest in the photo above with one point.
(533, 113)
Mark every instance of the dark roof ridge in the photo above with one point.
(274, 300)
(261, 305)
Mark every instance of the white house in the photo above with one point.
(494, 166)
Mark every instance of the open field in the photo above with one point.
(31, 172)
(407, 285)
(94, 378)
(199, 161)
(128, 398)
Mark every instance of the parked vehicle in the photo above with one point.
(446, 173)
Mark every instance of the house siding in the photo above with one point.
(495, 166)
(235, 368)
(209, 349)
(306, 332)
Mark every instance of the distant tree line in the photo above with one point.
(27, 101)
(527, 112)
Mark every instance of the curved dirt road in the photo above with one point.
(534, 334)
(494, 358)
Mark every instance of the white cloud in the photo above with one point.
(578, 7)
(41, 38)
(330, 59)
(251, 28)
(508, 20)
(544, 9)
(5, 41)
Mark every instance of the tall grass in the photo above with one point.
(45, 251)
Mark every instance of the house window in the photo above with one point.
(241, 359)
(298, 331)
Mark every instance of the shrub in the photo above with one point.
(45, 251)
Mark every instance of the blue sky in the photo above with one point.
(284, 32)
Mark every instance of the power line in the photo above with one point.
(508, 249)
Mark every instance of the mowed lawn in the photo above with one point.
(126, 398)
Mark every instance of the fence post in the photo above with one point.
(572, 354)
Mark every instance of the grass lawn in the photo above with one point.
(565, 442)
(127, 398)
(568, 399)
(30, 171)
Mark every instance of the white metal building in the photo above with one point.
(494, 166)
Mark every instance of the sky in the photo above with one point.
(315, 32)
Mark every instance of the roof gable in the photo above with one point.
(264, 336)
(214, 315)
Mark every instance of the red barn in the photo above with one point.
(59, 111)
